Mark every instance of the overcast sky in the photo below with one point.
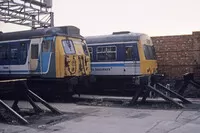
(154, 17)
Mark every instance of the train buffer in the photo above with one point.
(151, 83)
(21, 89)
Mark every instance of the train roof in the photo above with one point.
(52, 31)
(115, 37)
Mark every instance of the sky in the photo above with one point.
(98, 17)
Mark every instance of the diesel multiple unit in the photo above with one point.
(117, 58)
(57, 57)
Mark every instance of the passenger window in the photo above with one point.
(13, 53)
(34, 51)
(4, 53)
(91, 52)
(68, 47)
(106, 53)
(129, 53)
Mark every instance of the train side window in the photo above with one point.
(34, 51)
(111, 53)
(106, 53)
(68, 47)
(129, 53)
(101, 53)
(91, 52)
(13, 53)
(4, 53)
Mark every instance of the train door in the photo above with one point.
(35, 48)
(130, 59)
(46, 51)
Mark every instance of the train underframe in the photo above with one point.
(47, 88)
(117, 85)
(62, 89)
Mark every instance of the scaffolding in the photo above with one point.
(31, 13)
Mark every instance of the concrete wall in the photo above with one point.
(178, 54)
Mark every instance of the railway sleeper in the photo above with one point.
(22, 90)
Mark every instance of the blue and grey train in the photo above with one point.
(118, 57)
(56, 56)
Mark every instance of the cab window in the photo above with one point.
(46, 45)
(149, 52)
(85, 49)
(68, 47)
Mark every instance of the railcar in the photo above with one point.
(56, 56)
(118, 58)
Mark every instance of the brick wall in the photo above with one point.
(178, 54)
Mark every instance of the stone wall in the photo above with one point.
(178, 54)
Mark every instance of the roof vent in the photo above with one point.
(121, 32)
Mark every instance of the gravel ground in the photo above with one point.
(101, 119)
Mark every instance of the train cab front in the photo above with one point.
(73, 61)
(147, 57)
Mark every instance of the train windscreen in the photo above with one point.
(149, 52)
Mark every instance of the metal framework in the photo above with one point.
(23, 91)
(152, 84)
(32, 13)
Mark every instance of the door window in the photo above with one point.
(23, 52)
(34, 51)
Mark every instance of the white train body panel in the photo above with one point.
(116, 68)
